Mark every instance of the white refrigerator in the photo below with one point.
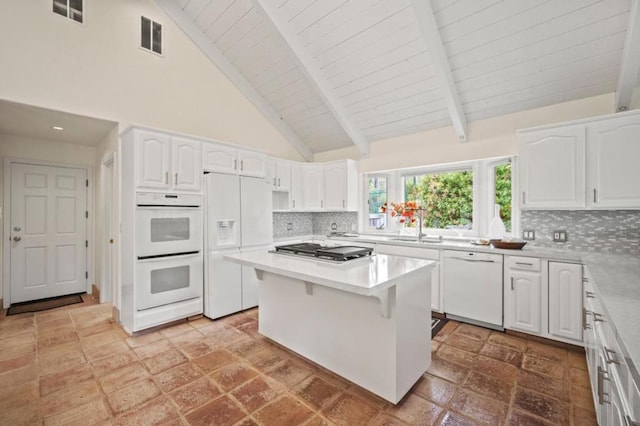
(237, 219)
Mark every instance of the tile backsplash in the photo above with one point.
(290, 224)
(608, 231)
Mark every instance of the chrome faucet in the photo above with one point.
(420, 220)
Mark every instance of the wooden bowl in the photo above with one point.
(510, 245)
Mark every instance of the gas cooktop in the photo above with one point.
(314, 250)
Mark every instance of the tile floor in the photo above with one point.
(74, 366)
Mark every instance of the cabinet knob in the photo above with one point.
(511, 283)
(595, 197)
(166, 178)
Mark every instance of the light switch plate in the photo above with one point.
(528, 235)
(560, 236)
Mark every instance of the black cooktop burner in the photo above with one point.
(339, 253)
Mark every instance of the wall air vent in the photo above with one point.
(72, 9)
(150, 35)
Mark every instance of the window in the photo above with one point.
(377, 196)
(447, 198)
(502, 192)
(151, 35)
(72, 9)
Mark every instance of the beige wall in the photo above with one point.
(36, 149)
(98, 70)
(493, 137)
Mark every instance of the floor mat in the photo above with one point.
(436, 325)
(43, 304)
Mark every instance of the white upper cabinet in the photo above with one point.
(278, 174)
(186, 164)
(313, 190)
(552, 168)
(592, 164)
(297, 188)
(226, 159)
(167, 162)
(613, 152)
(341, 185)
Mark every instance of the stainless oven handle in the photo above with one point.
(163, 257)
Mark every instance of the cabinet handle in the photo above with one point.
(590, 294)
(512, 283)
(343, 204)
(524, 198)
(241, 165)
(597, 317)
(610, 356)
(274, 182)
(629, 422)
(175, 180)
(235, 164)
(166, 178)
(584, 319)
(278, 182)
(601, 378)
(524, 263)
(294, 204)
(585, 280)
(595, 198)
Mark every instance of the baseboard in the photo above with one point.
(95, 293)
(115, 315)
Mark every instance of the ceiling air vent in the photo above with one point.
(151, 35)
(72, 9)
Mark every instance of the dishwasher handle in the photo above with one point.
(475, 260)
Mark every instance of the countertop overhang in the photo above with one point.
(365, 276)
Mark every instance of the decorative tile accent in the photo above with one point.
(307, 223)
(607, 231)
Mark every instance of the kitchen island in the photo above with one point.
(367, 320)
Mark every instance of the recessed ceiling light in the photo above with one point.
(58, 128)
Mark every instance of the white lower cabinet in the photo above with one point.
(565, 300)
(420, 253)
(522, 294)
(543, 298)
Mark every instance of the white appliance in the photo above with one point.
(238, 219)
(473, 287)
(168, 223)
(169, 259)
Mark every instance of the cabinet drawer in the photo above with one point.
(418, 252)
(523, 263)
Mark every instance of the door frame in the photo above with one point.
(6, 226)
(108, 179)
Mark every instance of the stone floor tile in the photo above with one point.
(521, 418)
(348, 410)
(583, 417)
(177, 377)
(18, 362)
(446, 331)
(506, 340)
(107, 350)
(195, 349)
(489, 386)
(144, 339)
(57, 381)
(465, 343)
(164, 361)
(153, 349)
(57, 339)
(158, 411)
(579, 378)
(416, 411)
(195, 394)
(456, 355)
(68, 397)
(317, 392)
(257, 393)
(284, 411)
(498, 369)
(434, 389)
(577, 359)
(558, 389)
(215, 360)
(541, 405)
(452, 418)
(502, 353)
(544, 366)
(473, 331)
(481, 409)
(267, 359)
(122, 377)
(290, 373)
(118, 359)
(447, 370)
(133, 395)
(91, 413)
(582, 397)
(385, 419)
(549, 352)
(220, 412)
(233, 375)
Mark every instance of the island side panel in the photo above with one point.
(413, 313)
(344, 332)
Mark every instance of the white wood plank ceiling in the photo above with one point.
(333, 73)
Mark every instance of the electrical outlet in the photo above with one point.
(528, 234)
(334, 226)
(560, 236)
(289, 226)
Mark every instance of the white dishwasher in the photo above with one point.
(473, 287)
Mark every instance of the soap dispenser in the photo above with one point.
(497, 228)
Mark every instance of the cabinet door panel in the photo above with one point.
(335, 177)
(283, 177)
(252, 163)
(565, 300)
(297, 188)
(313, 180)
(613, 152)
(153, 151)
(552, 168)
(219, 158)
(187, 166)
(522, 296)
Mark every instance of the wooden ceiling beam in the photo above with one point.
(186, 24)
(440, 63)
(314, 74)
(630, 66)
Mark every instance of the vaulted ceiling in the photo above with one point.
(336, 73)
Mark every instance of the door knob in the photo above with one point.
(17, 238)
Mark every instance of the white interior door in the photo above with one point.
(48, 231)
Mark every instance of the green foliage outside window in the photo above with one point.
(447, 198)
(503, 193)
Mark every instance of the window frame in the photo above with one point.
(483, 195)
(68, 6)
(162, 37)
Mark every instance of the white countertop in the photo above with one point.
(365, 276)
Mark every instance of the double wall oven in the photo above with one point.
(169, 265)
